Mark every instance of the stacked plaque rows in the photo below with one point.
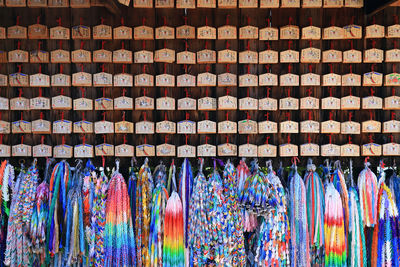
(192, 83)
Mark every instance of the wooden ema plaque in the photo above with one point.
(106, 150)
(248, 127)
(392, 102)
(207, 127)
(310, 55)
(349, 150)
(165, 103)
(392, 79)
(59, 33)
(81, 79)
(309, 103)
(227, 56)
(391, 149)
(4, 104)
(248, 57)
(375, 31)
(39, 56)
(166, 127)
(83, 127)
(79, 3)
(3, 80)
(39, 80)
(144, 103)
(289, 79)
(124, 127)
(270, 104)
(187, 103)
(248, 103)
(206, 150)
(309, 126)
(206, 32)
(227, 3)
(83, 104)
(122, 56)
(102, 56)
(21, 150)
(393, 31)
(268, 57)
(227, 103)
(103, 103)
(122, 33)
(124, 150)
(165, 80)
(371, 150)
(42, 151)
(19, 103)
(102, 79)
(165, 150)
(62, 127)
(5, 127)
(144, 127)
(123, 80)
(268, 79)
(269, 3)
(60, 56)
(83, 151)
(288, 103)
(332, 56)
(38, 31)
(288, 150)
(186, 57)
(352, 32)
(81, 32)
(289, 32)
(248, 150)
(145, 150)
(143, 33)
(309, 150)
(290, 3)
(392, 126)
(267, 127)
(18, 56)
(227, 32)
(354, 3)
(372, 102)
(18, 80)
(351, 79)
(103, 127)
(208, 56)
(248, 80)
(330, 103)
(165, 33)
(267, 151)
(269, 34)
(372, 78)
(207, 103)
(143, 56)
(186, 127)
(227, 127)
(289, 56)
(21, 126)
(15, 3)
(312, 4)
(330, 150)
(371, 126)
(227, 150)
(164, 4)
(310, 79)
(289, 127)
(350, 127)
(350, 102)
(186, 80)
(40, 103)
(227, 79)
(17, 32)
(310, 32)
(123, 103)
(185, 4)
(248, 32)
(102, 32)
(58, 3)
(5, 151)
(373, 56)
(186, 32)
(143, 3)
(144, 80)
(330, 127)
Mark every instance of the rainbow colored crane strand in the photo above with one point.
(119, 238)
(18, 251)
(335, 239)
(185, 191)
(315, 212)
(357, 253)
(368, 188)
(58, 185)
(144, 188)
(273, 240)
(198, 227)
(249, 218)
(339, 183)
(6, 179)
(217, 213)
(98, 219)
(234, 227)
(74, 229)
(158, 205)
(87, 195)
(173, 250)
(385, 249)
(300, 248)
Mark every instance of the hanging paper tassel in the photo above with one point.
(386, 237)
(273, 240)
(217, 219)
(119, 238)
(6, 179)
(74, 229)
(198, 227)
(185, 191)
(173, 250)
(339, 183)
(58, 185)
(368, 188)
(158, 204)
(38, 226)
(23, 201)
(335, 239)
(300, 248)
(144, 189)
(249, 219)
(315, 212)
(357, 252)
(234, 227)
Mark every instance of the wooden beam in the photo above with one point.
(374, 6)
(110, 5)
